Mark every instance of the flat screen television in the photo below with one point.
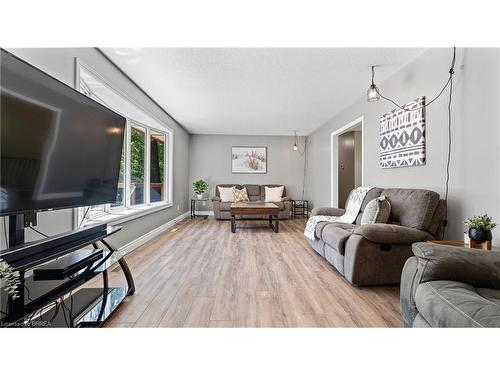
(59, 148)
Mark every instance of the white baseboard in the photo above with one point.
(125, 249)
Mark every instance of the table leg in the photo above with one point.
(233, 224)
(276, 224)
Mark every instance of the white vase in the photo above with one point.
(199, 196)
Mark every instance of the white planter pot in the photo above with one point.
(199, 196)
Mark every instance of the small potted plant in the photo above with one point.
(480, 228)
(199, 188)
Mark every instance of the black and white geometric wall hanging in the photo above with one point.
(402, 136)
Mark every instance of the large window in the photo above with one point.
(145, 176)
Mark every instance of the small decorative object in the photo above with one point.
(480, 231)
(249, 160)
(402, 136)
(11, 278)
(199, 188)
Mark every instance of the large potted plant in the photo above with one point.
(199, 188)
(480, 227)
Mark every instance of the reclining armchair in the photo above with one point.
(448, 286)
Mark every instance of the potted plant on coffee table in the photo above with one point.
(480, 228)
(200, 187)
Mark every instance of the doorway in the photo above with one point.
(346, 161)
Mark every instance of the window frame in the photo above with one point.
(168, 155)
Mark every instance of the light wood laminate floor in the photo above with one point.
(202, 275)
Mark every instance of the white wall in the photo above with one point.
(474, 183)
(60, 63)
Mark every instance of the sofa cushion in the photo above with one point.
(274, 194)
(263, 191)
(226, 194)
(445, 303)
(372, 194)
(336, 234)
(225, 206)
(226, 186)
(376, 211)
(319, 228)
(253, 190)
(240, 195)
(412, 208)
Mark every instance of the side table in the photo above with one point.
(300, 208)
(193, 208)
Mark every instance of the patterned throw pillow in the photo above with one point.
(240, 195)
(376, 211)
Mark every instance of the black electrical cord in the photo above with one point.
(37, 231)
(84, 215)
(448, 82)
(448, 160)
(305, 168)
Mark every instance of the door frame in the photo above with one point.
(334, 156)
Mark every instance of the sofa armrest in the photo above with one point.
(391, 234)
(479, 268)
(327, 211)
(286, 199)
(216, 199)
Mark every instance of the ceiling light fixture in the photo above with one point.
(372, 93)
(295, 145)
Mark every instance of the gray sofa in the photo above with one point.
(256, 193)
(374, 254)
(447, 286)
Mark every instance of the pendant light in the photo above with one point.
(295, 145)
(372, 93)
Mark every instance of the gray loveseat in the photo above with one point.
(256, 193)
(374, 254)
(447, 286)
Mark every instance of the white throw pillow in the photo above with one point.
(274, 194)
(226, 194)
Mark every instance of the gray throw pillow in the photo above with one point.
(376, 211)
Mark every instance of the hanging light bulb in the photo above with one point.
(295, 146)
(372, 93)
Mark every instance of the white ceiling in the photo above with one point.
(260, 91)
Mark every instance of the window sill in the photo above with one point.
(127, 214)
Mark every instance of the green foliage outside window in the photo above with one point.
(137, 142)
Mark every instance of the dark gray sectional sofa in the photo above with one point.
(256, 193)
(374, 254)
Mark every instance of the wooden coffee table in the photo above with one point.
(255, 209)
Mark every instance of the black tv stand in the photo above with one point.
(66, 301)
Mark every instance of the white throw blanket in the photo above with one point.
(353, 206)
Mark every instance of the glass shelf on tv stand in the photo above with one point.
(53, 302)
